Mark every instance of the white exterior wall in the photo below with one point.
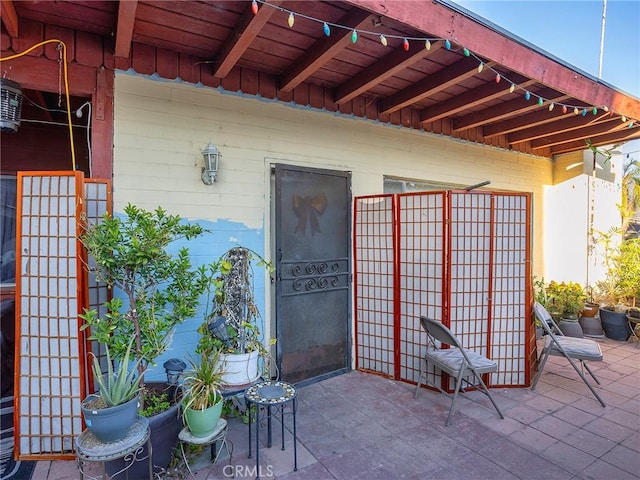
(162, 126)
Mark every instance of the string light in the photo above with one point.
(527, 95)
(577, 109)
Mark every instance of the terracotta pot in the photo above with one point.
(590, 309)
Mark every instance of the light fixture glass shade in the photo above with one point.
(174, 368)
(211, 157)
(218, 328)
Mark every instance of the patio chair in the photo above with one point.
(456, 361)
(572, 348)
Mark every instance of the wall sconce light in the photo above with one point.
(211, 156)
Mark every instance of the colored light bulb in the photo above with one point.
(291, 20)
(564, 109)
(354, 36)
(466, 52)
(498, 78)
(480, 67)
(405, 45)
(447, 44)
(512, 88)
(540, 101)
(527, 95)
(383, 40)
(326, 29)
(551, 105)
(254, 6)
(427, 44)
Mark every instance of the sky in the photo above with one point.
(571, 31)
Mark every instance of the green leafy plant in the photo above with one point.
(155, 403)
(132, 255)
(119, 385)
(565, 300)
(620, 288)
(233, 300)
(203, 382)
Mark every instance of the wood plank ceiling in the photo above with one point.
(474, 82)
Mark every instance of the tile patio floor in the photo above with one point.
(362, 426)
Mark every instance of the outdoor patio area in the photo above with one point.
(363, 426)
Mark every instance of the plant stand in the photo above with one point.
(130, 449)
(271, 395)
(219, 434)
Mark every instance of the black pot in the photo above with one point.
(614, 324)
(165, 428)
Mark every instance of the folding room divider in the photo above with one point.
(457, 256)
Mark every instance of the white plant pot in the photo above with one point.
(240, 368)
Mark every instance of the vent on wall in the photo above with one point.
(10, 105)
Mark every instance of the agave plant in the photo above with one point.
(119, 385)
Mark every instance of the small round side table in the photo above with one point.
(130, 448)
(271, 394)
(219, 434)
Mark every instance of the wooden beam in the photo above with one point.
(9, 17)
(241, 36)
(624, 135)
(384, 68)
(477, 96)
(518, 106)
(524, 121)
(436, 82)
(558, 126)
(598, 129)
(442, 21)
(323, 50)
(124, 28)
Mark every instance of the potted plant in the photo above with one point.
(620, 289)
(589, 318)
(565, 301)
(202, 401)
(233, 324)
(110, 413)
(131, 254)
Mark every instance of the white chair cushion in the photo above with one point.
(580, 348)
(452, 359)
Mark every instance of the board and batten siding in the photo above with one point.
(162, 126)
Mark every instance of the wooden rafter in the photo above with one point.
(384, 68)
(443, 78)
(9, 17)
(518, 106)
(523, 121)
(243, 33)
(598, 141)
(323, 50)
(572, 122)
(124, 29)
(470, 99)
(612, 125)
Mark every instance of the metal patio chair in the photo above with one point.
(572, 348)
(456, 361)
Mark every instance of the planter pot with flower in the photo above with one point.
(234, 325)
(618, 292)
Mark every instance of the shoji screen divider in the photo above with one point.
(460, 257)
(50, 367)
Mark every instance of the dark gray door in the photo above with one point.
(313, 287)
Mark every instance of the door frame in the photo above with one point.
(270, 244)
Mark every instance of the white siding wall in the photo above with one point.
(161, 128)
